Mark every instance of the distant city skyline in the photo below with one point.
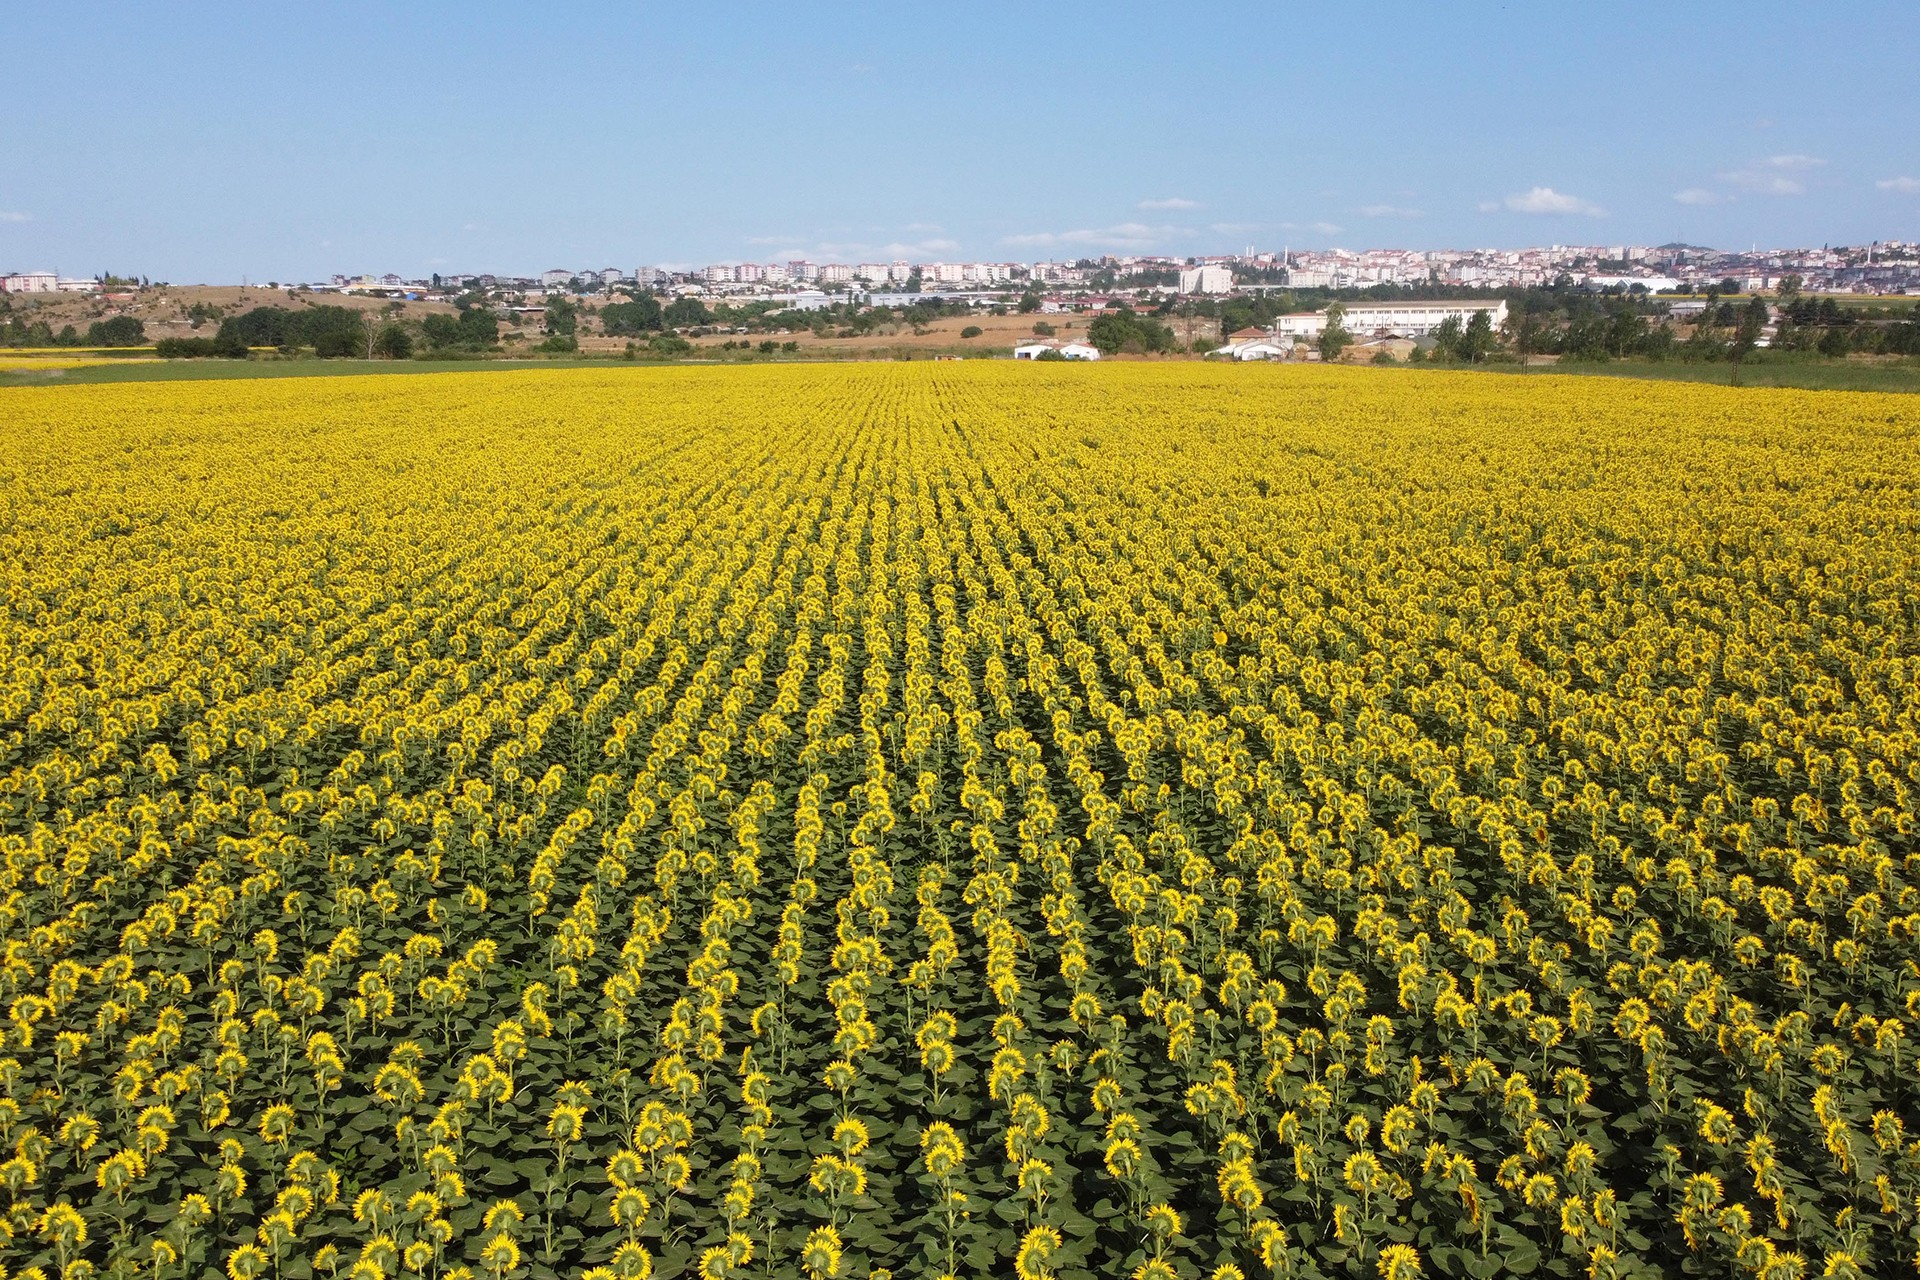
(219, 142)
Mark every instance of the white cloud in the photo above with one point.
(1766, 184)
(1906, 186)
(1124, 235)
(12, 215)
(1389, 211)
(1769, 177)
(1545, 200)
(1324, 228)
(1171, 202)
(1699, 195)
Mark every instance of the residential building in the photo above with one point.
(30, 282)
(836, 273)
(719, 273)
(646, 277)
(871, 272)
(556, 278)
(749, 273)
(611, 275)
(802, 270)
(1206, 279)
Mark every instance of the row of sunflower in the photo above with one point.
(859, 820)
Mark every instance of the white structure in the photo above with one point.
(1652, 284)
(611, 276)
(1206, 280)
(802, 270)
(719, 273)
(871, 272)
(77, 284)
(1392, 319)
(1067, 350)
(749, 273)
(1261, 348)
(646, 276)
(836, 273)
(805, 299)
(30, 282)
(555, 278)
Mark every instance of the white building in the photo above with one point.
(719, 273)
(749, 273)
(30, 282)
(555, 278)
(872, 272)
(611, 276)
(77, 284)
(836, 273)
(646, 276)
(805, 300)
(1208, 279)
(1262, 349)
(802, 270)
(1392, 319)
(1652, 284)
(899, 271)
(1067, 350)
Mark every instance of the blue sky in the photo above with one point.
(209, 141)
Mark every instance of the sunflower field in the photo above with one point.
(961, 820)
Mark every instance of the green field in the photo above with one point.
(1809, 373)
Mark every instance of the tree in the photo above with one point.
(684, 313)
(972, 331)
(1753, 318)
(1446, 338)
(479, 328)
(563, 315)
(631, 319)
(121, 331)
(1334, 338)
(1523, 330)
(1043, 328)
(393, 342)
(1476, 343)
(1119, 331)
(1029, 303)
(1790, 286)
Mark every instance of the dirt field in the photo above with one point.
(941, 336)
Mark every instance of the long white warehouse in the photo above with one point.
(1392, 319)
